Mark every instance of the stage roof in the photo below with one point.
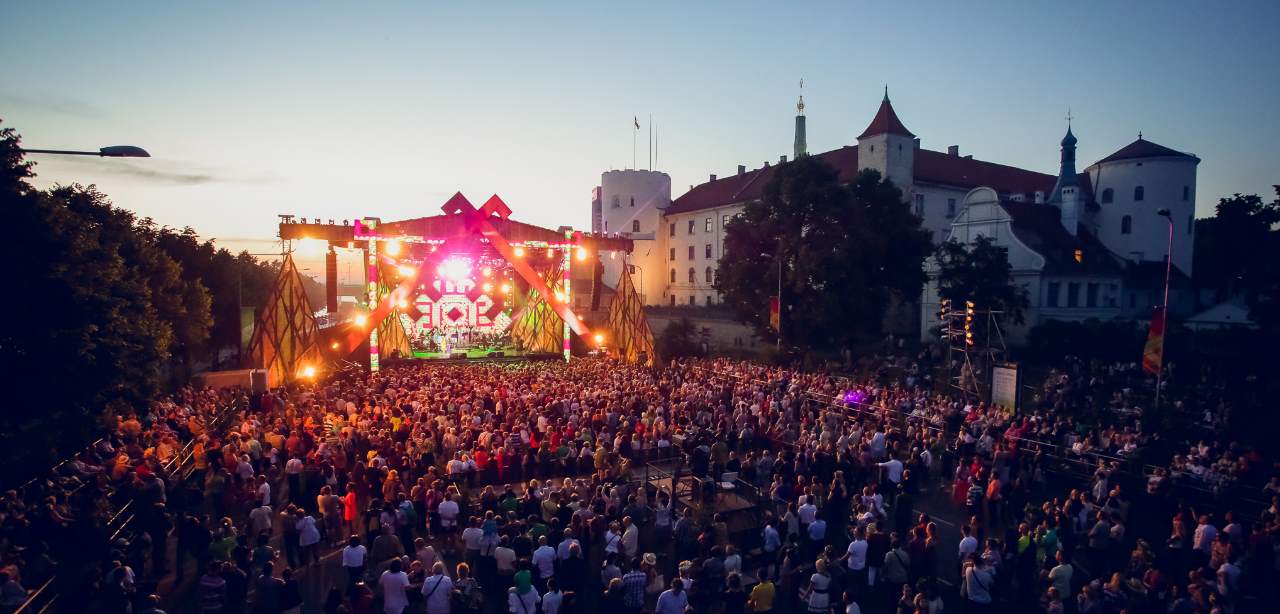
(445, 227)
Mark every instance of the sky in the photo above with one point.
(343, 110)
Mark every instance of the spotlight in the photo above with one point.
(405, 270)
(488, 287)
(519, 252)
(551, 253)
(393, 247)
(335, 345)
(403, 304)
(581, 254)
(308, 371)
(487, 271)
(506, 288)
(455, 269)
(361, 320)
(599, 338)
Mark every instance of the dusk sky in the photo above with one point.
(341, 110)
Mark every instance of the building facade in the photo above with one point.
(1108, 210)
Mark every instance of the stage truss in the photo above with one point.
(632, 338)
(285, 334)
(536, 327)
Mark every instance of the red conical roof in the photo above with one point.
(885, 122)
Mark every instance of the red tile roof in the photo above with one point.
(1039, 227)
(1144, 149)
(885, 121)
(930, 167)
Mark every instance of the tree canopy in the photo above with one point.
(846, 253)
(980, 272)
(1237, 254)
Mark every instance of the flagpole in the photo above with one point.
(634, 130)
(651, 141)
(1164, 333)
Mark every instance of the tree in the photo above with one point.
(1237, 254)
(980, 272)
(846, 252)
(679, 339)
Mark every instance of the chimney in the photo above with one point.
(782, 160)
(742, 168)
(969, 157)
(713, 176)
(1039, 197)
(766, 164)
(917, 142)
(953, 150)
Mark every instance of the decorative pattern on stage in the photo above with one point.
(285, 334)
(632, 337)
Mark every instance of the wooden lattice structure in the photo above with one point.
(631, 336)
(285, 334)
(392, 339)
(537, 327)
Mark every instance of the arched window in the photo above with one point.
(1139, 193)
(1108, 195)
(709, 274)
(1126, 225)
(635, 225)
(693, 275)
(673, 276)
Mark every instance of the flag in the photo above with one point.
(775, 315)
(1153, 353)
(636, 120)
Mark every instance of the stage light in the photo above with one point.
(308, 371)
(613, 255)
(403, 304)
(581, 254)
(393, 247)
(506, 288)
(488, 287)
(335, 345)
(405, 270)
(455, 269)
(487, 271)
(361, 320)
(519, 252)
(311, 247)
(559, 296)
(551, 253)
(599, 338)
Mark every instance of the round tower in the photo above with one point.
(632, 202)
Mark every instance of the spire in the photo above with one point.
(1067, 170)
(885, 121)
(801, 147)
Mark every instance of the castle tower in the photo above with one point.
(1066, 195)
(888, 147)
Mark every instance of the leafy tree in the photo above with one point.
(981, 273)
(846, 252)
(1237, 254)
(679, 339)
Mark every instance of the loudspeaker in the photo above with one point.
(258, 381)
(597, 271)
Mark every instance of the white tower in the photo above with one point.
(632, 202)
(888, 147)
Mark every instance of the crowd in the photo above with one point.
(514, 487)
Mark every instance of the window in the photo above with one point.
(1126, 225)
(635, 225)
(1073, 294)
(1091, 295)
(693, 277)
(1051, 298)
(919, 200)
(673, 229)
(1139, 193)
(724, 221)
(706, 300)
(617, 202)
(633, 201)
(710, 275)
(606, 225)
(673, 276)
(673, 300)
(706, 225)
(691, 252)
(1186, 192)
(691, 299)
(1108, 195)
(708, 250)
(690, 226)
(673, 254)
(1191, 223)
(951, 207)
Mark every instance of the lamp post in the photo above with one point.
(112, 151)
(1168, 267)
(778, 259)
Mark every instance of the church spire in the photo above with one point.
(801, 147)
(885, 121)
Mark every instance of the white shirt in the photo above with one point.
(448, 511)
(893, 469)
(505, 558)
(807, 513)
(354, 556)
(968, 545)
(858, 554)
(523, 604)
(437, 590)
(551, 602)
(562, 551)
(544, 558)
(471, 537)
(394, 601)
(264, 493)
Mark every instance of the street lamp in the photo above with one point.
(1168, 267)
(778, 258)
(111, 151)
